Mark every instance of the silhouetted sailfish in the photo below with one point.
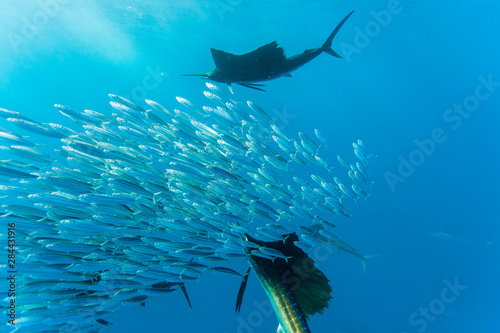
(268, 62)
(295, 287)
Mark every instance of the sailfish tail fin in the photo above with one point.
(327, 46)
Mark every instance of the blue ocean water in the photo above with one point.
(419, 83)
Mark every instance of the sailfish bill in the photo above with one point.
(295, 287)
(265, 63)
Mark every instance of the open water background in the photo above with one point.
(400, 74)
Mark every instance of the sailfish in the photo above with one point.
(295, 286)
(265, 63)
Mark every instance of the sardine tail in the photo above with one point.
(368, 257)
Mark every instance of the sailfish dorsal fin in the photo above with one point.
(266, 54)
(270, 51)
(314, 291)
(222, 58)
(310, 287)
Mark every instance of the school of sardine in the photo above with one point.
(136, 203)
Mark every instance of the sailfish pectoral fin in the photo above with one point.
(243, 286)
(252, 85)
(256, 84)
(183, 288)
(230, 87)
